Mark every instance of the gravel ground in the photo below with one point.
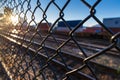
(3, 75)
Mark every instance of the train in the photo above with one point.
(62, 29)
(95, 31)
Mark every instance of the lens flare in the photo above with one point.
(14, 20)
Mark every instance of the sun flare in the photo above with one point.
(14, 20)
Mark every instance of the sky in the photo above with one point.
(75, 10)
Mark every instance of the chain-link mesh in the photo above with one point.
(29, 52)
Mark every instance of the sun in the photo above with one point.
(14, 20)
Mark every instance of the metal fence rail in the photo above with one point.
(21, 62)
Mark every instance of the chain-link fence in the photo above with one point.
(33, 49)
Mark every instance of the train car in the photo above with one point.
(115, 30)
(62, 28)
(112, 23)
(90, 32)
(44, 27)
(96, 30)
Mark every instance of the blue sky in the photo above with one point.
(75, 10)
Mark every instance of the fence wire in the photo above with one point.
(23, 60)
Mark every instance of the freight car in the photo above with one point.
(65, 27)
(95, 31)
(42, 27)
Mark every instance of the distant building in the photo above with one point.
(112, 23)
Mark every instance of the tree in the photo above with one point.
(1, 15)
(7, 11)
(5, 17)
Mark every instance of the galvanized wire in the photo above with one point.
(22, 64)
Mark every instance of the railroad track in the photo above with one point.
(57, 63)
(87, 46)
(90, 48)
(71, 60)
